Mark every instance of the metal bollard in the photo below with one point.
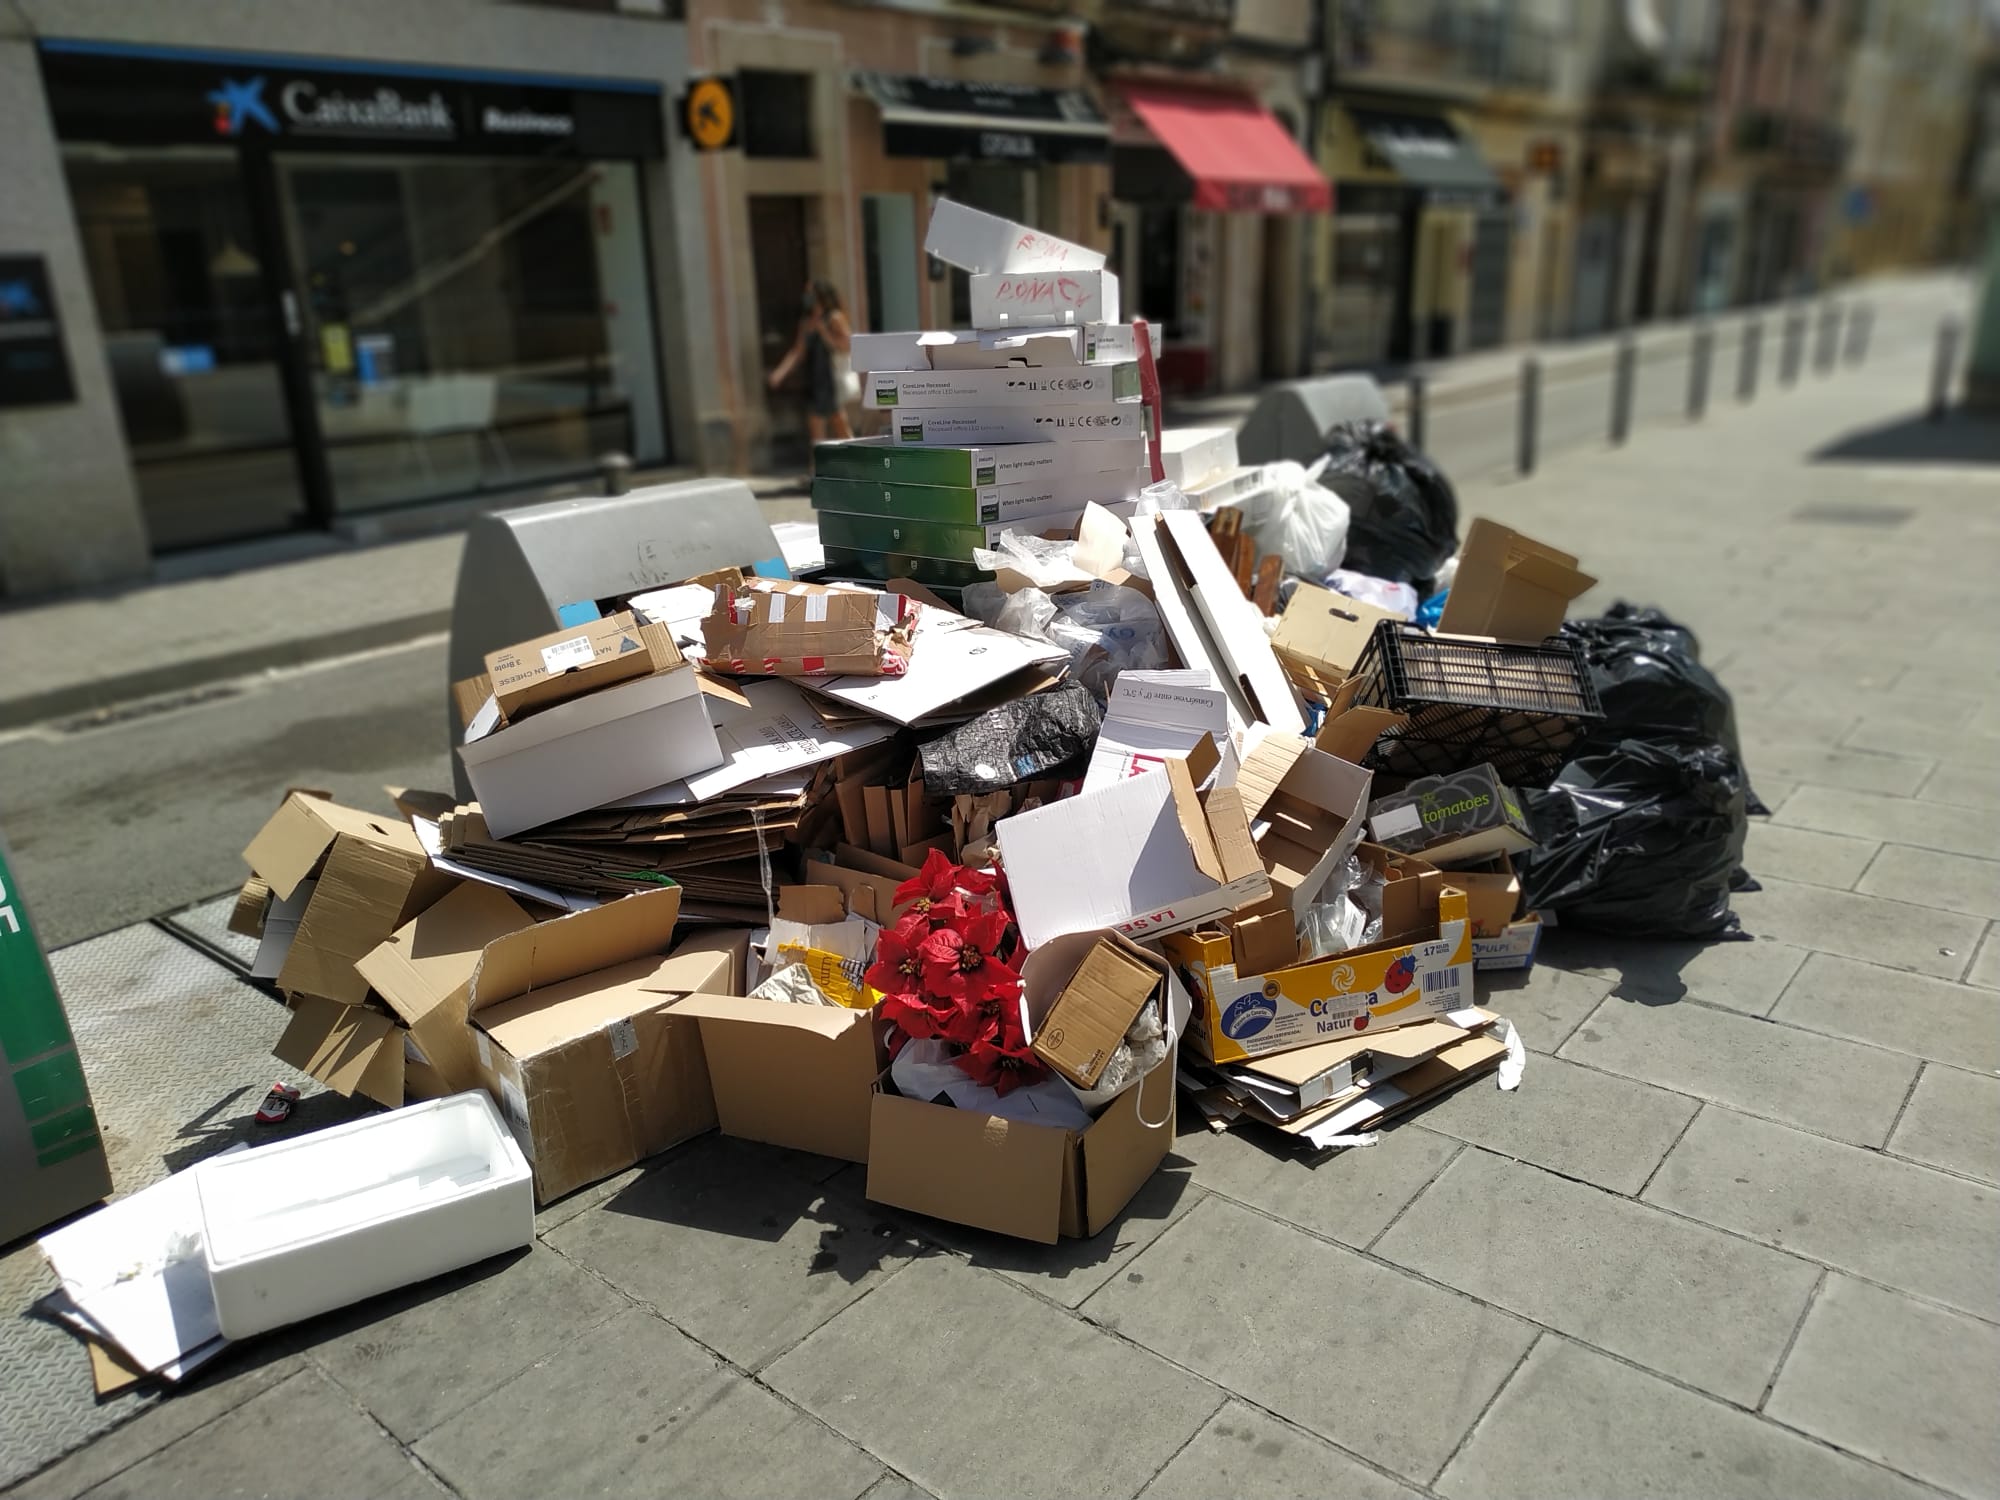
(1701, 354)
(616, 469)
(1416, 415)
(1826, 350)
(1530, 415)
(1860, 319)
(1624, 373)
(1747, 357)
(1942, 367)
(1792, 352)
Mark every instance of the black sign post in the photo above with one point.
(34, 370)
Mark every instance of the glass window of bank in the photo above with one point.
(325, 293)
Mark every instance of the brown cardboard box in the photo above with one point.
(1510, 586)
(1306, 807)
(801, 1076)
(569, 663)
(1031, 1181)
(782, 629)
(591, 1070)
(1492, 895)
(253, 903)
(352, 1049)
(1320, 637)
(1095, 1009)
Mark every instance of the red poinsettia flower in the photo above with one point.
(919, 1015)
(933, 891)
(1002, 1062)
(899, 960)
(963, 963)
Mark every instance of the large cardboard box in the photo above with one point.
(352, 1049)
(1051, 422)
(1141, 856)
(575, 1037)
(905, 390)
(1305, 809)
(1095, 1008)
(1421, 969)
(1043, 299)
(973, 240)
(52, 1159)
(785, 629)
(583, 658)
(374, 878)
(1510, 586)
(801, 1076)
(1031, 1181)
(1492, 895)
(1513, 949)
(1320, 637)
(884, 461)
(573, 756)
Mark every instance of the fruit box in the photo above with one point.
(1422, 969)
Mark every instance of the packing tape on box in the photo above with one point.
(776, 613)
(815, 608)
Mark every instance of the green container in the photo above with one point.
(955, 505)
(901, 534)
(888, 462)
(869, 565)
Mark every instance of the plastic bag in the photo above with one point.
(1641, 840)
(1306, 525)
(1106, 629)
(1405, 523)
(1023, 612)
(1397, 598)
(1347, 913)
(924, 1070)
(1648, 674)
(1019, 741)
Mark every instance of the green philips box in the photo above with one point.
(51, 1154)
(885, 461)
(934, 539)
(868, 565)
(966, 505)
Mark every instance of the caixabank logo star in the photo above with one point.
(239, 103)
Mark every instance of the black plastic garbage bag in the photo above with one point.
(1019, 741)
(1405, 514)
(1650, 679)
(1643, 840)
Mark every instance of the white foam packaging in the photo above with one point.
(1043, 299)
(588, 751)
(301, 1227)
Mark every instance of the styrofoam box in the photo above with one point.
(304, 1226)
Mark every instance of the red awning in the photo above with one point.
(1239, 156)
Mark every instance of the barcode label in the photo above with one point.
(1440, 981)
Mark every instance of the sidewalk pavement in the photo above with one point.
(1735, 1235)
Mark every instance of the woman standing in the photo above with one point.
(823, 341)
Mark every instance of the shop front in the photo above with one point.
(1211, 186)
(328, 288)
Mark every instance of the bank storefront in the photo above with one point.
(327, 288)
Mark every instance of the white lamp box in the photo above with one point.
(964, 426)
(1192, 456)
(588, 751)
(976, 241)
(1043, 299)
(301, 1227)
(1008, 386)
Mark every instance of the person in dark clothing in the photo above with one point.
(823, 342)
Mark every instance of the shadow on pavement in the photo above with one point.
(1648, 970)
(1960, 438)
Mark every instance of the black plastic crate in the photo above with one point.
(1519, 707)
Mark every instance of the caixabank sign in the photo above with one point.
(1390, 984)
(161, 96)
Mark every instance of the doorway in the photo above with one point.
(781, 258)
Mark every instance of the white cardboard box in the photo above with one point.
(966, 349)
(591, 750)
(1194, 455)
(1053, 423)
(1043, 299)
(898, 390)
(303, 1226)
(1128, 856)
(976, 241)
(1152, 717)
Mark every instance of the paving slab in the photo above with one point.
(1885, 734)
(746, 1259)
(1574, 1423)
(1570, 1119)
(894, 1487)
(1953, 1121)
(1940, 713)
(1985, 970)
(1350, 1196)
(1894, 820)
(1745, 976)
(1830, 859)
(1243, 1451)
(1812, 762)
(1894, 933)
(1547, 1002)
(1680, 1298)
(421, 1355)
(1907, 1226)
(1964, 784)
(617, 1413)
(1928, 877)
(970, 1385)
(1934, 1018)
(1070, 1270)
(1903, 1383)
(1382, 1364)
(300, 1433)
(1839, 1088)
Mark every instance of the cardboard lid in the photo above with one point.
(349, 1048)
(550, 1016)
(574, 715)
(432, 957)
(821, 1020)
(577, 943)
(1510, 586)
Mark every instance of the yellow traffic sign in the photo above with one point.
(710, 113)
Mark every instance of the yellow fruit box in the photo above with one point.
(1421, 970)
